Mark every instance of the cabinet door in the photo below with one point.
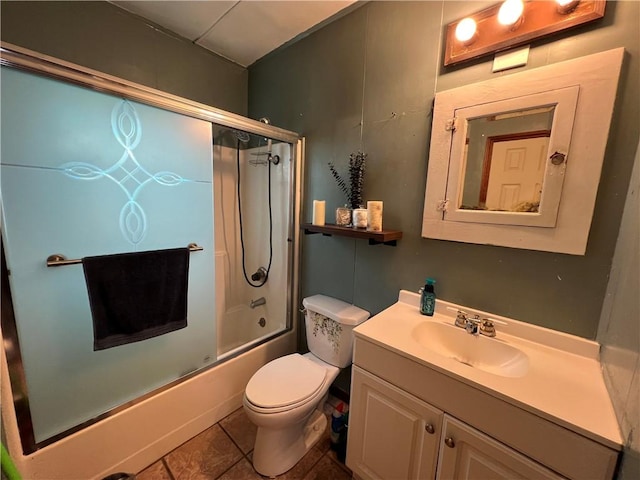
(466, 453)
(392, 435)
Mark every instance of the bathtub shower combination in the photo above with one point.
(93, 167)
(251, 198)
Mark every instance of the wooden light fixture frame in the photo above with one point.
(540, 19)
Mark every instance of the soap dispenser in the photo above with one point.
(428, 298)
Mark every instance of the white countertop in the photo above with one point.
(563, 384)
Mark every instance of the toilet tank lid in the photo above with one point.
(341, 312)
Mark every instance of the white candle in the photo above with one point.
(318, 212)
(374, 216)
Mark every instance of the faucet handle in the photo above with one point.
(461, 318)
(487, 327)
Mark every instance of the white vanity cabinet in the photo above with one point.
(467, 454)
(411, 421)
(394, 435)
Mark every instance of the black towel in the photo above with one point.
(136, 296)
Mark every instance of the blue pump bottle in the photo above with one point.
(428, 298)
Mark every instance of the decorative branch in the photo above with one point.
(354, 186)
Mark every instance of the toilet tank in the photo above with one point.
(329, 325)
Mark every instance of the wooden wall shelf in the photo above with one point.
(386, 237)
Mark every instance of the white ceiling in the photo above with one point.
(242, 31)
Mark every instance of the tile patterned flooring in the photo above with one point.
(223, 452)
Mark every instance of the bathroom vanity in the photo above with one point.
(429, 400)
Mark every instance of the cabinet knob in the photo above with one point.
(429, 428)
(449, 442)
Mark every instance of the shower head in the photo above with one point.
(244, 137)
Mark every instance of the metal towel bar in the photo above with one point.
(59, 260)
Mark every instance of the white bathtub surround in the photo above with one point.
(237, 324)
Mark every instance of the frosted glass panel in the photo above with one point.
(86, 173)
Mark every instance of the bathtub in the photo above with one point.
(137, 436)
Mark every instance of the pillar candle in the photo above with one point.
(374, 216)
(318, 212)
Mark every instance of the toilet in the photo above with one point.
(284, 398)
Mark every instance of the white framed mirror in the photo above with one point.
(504, 165)
(516, 160)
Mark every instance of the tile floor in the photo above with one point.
(223, 452)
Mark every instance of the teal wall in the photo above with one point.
(103, 37)
(367, 81)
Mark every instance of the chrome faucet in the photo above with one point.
(257, 302)
(475, 325)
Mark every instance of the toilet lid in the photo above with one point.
(285, 381)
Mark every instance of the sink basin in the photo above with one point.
(488, 354)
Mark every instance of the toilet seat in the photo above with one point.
(285, 383)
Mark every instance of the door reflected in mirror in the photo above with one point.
(505, 156)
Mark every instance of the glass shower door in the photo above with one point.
(86, 173)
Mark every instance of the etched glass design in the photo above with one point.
(127, 172)
(86, 173)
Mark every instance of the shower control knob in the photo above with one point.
(260, 275)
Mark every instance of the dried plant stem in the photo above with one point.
(353, 187)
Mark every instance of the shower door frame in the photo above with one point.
(14, 56)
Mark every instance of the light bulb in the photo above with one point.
(565, 6)
(510, 12)
(466, 30)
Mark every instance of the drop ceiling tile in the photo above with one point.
(252, 29)
(189, 19)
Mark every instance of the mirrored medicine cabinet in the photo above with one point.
(515, 161)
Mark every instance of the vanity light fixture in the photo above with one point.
(513, 23)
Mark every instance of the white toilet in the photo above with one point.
(284, 398)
